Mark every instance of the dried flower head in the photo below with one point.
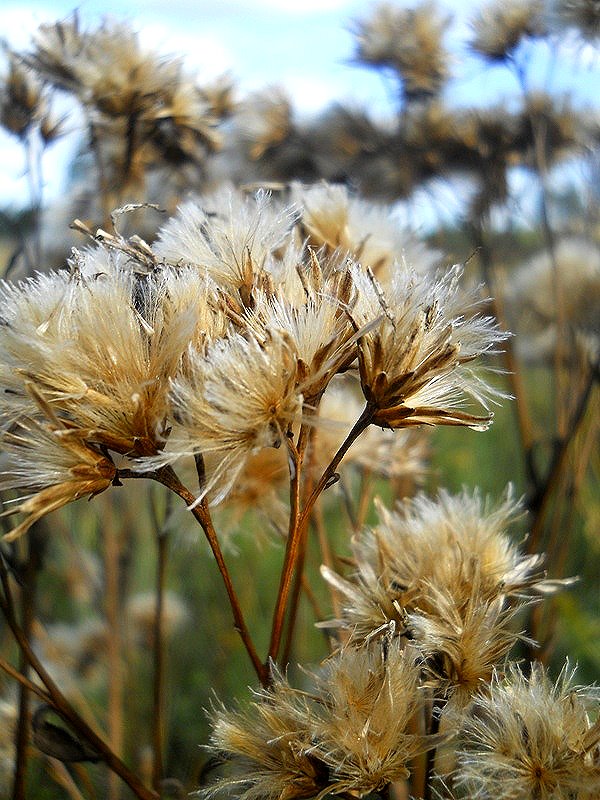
(362, 728)
(21, 100)
(227, 235)
(408, 40)
(584, 15)
(238, 398)
(101, 350)
(364, 230)
(528, 737)
(412, 363)
(461, 644)
(268, 744)
(265, 121)
(316, 328)
(54, 464)
(501, 25)
(399, 560)
(350, 733)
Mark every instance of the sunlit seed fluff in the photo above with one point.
(500, 25)
(368, 697)
(317, 330)
(267, 746)
(462, 643)
(399, 559)
(366, 231)
(31, 348)
(413, 361)
(529, 737)
(238, 398)
(228, 235)
(53, 465)
(101, 349)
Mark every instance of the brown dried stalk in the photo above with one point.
(60, 703)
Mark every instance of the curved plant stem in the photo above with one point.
(329, 476)
(299, 520)
(62, 705)
(158, 721)
(200, 510)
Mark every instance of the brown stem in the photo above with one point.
(201, 512)
(361, 424)
(20, 678)
(62, 705)
(32, 561)
(293, 545)
(158, 722)
(298, 584)
(113, 611)
(299, 521)
(540, 502)
(326, 556)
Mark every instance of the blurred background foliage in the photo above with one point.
(522, 172)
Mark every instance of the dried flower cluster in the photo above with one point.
(216, 344)
(350, 732)
(456, 608)
(410, 42)
(529, 737)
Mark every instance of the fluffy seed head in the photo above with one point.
(528, 737)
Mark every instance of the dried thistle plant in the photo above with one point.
(410, 41)
(531, 737)
(498, 28)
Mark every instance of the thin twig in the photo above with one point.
(158, 721)
(113, 613)
(540, 501)
(299, 521)
(293, 545)
(62, 705)
(201, 512)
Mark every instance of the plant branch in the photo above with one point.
(540, 501)
(62, 705)
(201, 512)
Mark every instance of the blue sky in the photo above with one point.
(304, 46)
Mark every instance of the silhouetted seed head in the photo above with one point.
(584, 15)
(500, 26)
(410, 41)
(21, 102)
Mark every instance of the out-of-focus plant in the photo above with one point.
(247, 356)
